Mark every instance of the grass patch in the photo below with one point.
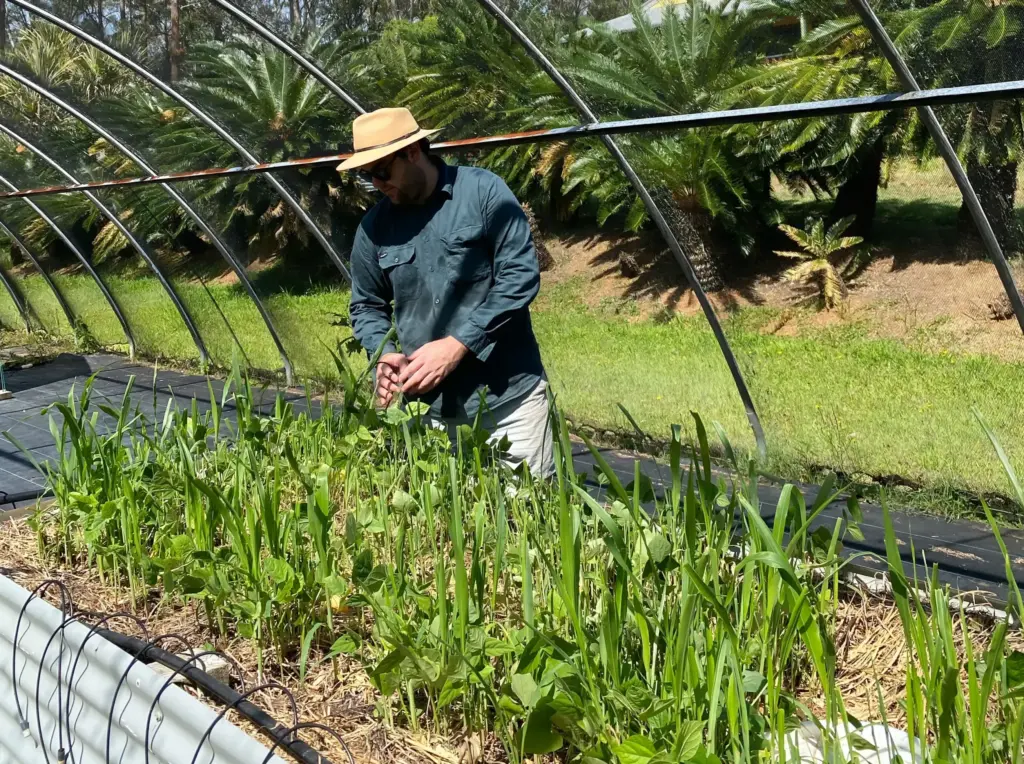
(834, 399)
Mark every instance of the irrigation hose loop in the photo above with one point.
(66, 606)
(175, 673)
(78, 654)
(308, 726)
(65, 621)
(243, 697)
(117, 690)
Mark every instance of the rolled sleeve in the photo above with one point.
(516, 279)
(370, 306)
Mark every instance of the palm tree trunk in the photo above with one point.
(295, 14)
(692, 226)
(3, 24)
(99, 19)
(175, 50)
(858, 195)
(996, 186)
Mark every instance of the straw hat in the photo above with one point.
(380, 134)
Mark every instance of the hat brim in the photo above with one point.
(366, 158)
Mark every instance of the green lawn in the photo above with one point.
(835, 399)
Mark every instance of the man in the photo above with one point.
(451, 248)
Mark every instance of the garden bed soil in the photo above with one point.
(870, 649)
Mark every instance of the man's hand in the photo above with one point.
(430, 364)
(389, 367)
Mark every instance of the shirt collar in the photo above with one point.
(445, 177)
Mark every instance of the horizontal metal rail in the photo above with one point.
(774, 113)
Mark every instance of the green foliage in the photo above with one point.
(478, 599)
(457, 68)
(818, 255)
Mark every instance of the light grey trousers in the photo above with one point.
(525, 422)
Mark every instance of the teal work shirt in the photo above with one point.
(463, 265)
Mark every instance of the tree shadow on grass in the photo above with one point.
(651, 273)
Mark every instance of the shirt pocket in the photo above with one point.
(398, 264)
(467, 258)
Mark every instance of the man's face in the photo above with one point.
(399, 177)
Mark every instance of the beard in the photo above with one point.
(413, 186)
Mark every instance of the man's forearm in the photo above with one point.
(370, 328)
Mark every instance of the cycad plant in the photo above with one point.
(820, 252)
(80, 74)
(462, 72)
(275, 108)
(840, 156)
(969, 42)
(687, 64)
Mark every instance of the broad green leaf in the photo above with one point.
(691, 735)
(658, 547)
(1015, 669)
(636, 749)
(753, 681)
(278, 571)
(417, 408)
(191, 584)
(362, 566)
(526, 689)
(346, 644)
(403, 502)
(538, 736)
(375, 580)
(395, 415)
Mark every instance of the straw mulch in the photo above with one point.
(871, 655)
(345, 701)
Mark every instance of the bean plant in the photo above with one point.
(585, 616)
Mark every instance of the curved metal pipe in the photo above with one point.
(71, 245)
(202, 116)
(215, 239)
(300, 59)
(949, 155)
(652, 209)
(15, 298)
(73, 322)
(109, 214)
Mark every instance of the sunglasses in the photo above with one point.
(380, 172)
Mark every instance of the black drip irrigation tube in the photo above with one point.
(282, 735)
(11, 503)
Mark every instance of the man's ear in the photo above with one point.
(413, 153)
